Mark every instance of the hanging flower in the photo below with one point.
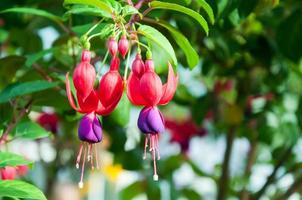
(145, 89)
(92, 101)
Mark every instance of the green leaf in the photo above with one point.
(34, 11)
(11, 159)
(132, 190)
(154, 35)
(20, 89)
(86, 10)
(96, 3)
(179, 8)
(129, 10)
(20, 189)
(184, 44)
(122, 112)
(30, 130)
(31, 59)
(8, 68)
(207, 8)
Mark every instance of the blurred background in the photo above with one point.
(233, 129)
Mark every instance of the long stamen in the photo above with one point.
(155, 176)
(79, 156)
(150, 139)
(91, 159)
(81, 184)
(146, 145)
(96, 156)
(89, 153)
(157, 147)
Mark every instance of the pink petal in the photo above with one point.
(133, 91)
(169, 88)
(69, 94)
(90, 104)
(151, 88)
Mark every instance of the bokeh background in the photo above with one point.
(233, 129)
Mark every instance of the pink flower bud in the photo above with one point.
(138, 66)
(123, 46)
(149, 65)
(112, 46)
(8, 173)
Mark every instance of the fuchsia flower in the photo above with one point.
(123, 46)
(49, 121)
(145, 88)
(112, 46)
(8, 173)
(92, 101)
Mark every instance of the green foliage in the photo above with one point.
(20, 189)
(30, 130)
(11, 159)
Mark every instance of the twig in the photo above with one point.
(271, 178)
(14, 121)
(223, 183)
(250, 161)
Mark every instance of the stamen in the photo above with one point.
(96, 156)
(150, 138)
(91, 160)
(146, 145)
(79, 156)
(157, 146)
(155, 176)
(81, 184)
(89, 153)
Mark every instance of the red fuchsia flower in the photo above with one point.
(8, 173)
(49, 121)
(93, 101)
(123, 46)
(22, 170)
(145, 88)
(112, 46)
(182, 132)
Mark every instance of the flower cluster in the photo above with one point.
(144, 88)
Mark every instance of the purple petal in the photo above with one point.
(155, 120)
(142, 121)
(90, 129)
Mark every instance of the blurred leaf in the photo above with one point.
(289, 41)
(154, 35)
(129, 10)
(31, 59)
(96, 3)
(232, 114)
(8, 68)
(30, 130)
(207, 8)
(11, 159)
(246, 7)
(176, 7)
(86, 10)
(190, 194)
(20, 89)
(121, 114)
(20, 189)
(132, 191)
(184, 44)
(34, 11)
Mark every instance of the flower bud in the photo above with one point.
(138, 66)
(8, 173)
(149, 65)
(112, 46)
(123, 46)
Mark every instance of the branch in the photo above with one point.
(271, 178)
(251, 156)
(295, 187)
(14, 121)
(223, 183)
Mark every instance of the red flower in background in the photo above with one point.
(49, 121)
(182, 132)
(10, 173)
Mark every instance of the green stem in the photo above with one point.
(142, 44)
(103, 63)
(127, 64)
(93, 27)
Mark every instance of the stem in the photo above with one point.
(142, 44)
(104, 60)
(14, 121)
(93, 27)
(250, 161)
(127, 65)
(223, 183)
(271, 178)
